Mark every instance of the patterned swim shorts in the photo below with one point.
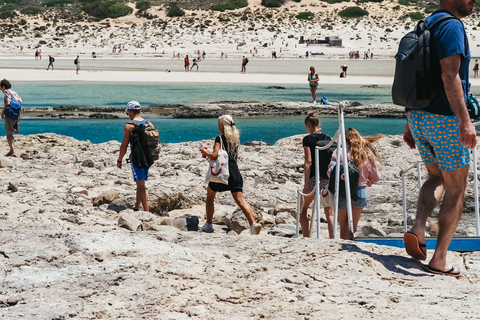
(438, 139)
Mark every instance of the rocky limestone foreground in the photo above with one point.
(72, 247)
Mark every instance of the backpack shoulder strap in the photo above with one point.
(437, 20)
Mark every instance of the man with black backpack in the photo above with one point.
(444, 135)
(143, 139)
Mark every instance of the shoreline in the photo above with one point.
(215, 109)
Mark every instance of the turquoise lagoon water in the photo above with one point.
(267, 129)
(50, 94)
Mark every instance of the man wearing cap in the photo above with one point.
(139, 174)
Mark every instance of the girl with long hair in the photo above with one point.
(312, 124)
(364, 155)
(231, 142)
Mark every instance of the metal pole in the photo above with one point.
(405, 218)
(317, 190)
(419, 170)
(337, 184)
(298, 214)
(345, 169)
(475, 187)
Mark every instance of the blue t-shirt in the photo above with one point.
(450, 38)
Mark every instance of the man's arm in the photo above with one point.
(127, 131)
(7, 99)
(454, 91)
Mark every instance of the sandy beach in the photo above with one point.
(72, 247)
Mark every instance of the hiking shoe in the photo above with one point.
(255, 228)
(207, 227)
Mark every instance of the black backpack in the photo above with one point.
(325, 155)
(75, 62)
(413, 81)
(354, 178)
(144, 144)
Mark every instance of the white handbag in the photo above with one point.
(218, 168)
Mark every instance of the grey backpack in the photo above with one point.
(413, 83)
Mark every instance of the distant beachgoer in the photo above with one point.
(77, 63)
(40, 54)
(344, 70)
(313, 82)
(221, 55)
(230, 140)
(475, 69)
(306, 54)
(187, 63)
(51, 60)
(94, 54)
(21, 48)
(364, 155)
(203, 55)
(195, 63)
(312, 124)
(244, 65)
(36, 54)
(140, 175)
(11, 125)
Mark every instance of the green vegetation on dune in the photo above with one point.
(273, 3)
(230, 5)
(174, 10)
(353, 12)
(416, 16)
(108, 9)
(304, 16)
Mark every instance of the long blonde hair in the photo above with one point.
(362, 148)
(231, 133)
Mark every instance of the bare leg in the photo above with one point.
(11, 142)
(356, 213)
(450, 214)
(430, 194)
(343, 222)
(314, 93)
(247, 211)
(329, 216)
(304, 221)
(142, 197)
(210, 205)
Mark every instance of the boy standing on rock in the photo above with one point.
(139, 174)
(12, 115)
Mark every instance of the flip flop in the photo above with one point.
(450, 272)
(413, 247)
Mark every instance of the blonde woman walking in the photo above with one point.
(231, 142)
(364, 155)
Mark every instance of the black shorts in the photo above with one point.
(235, 181)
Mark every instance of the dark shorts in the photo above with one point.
(139, 174)
(235, 181)
(313, 84)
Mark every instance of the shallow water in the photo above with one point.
(267, 129)
(43, 95)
